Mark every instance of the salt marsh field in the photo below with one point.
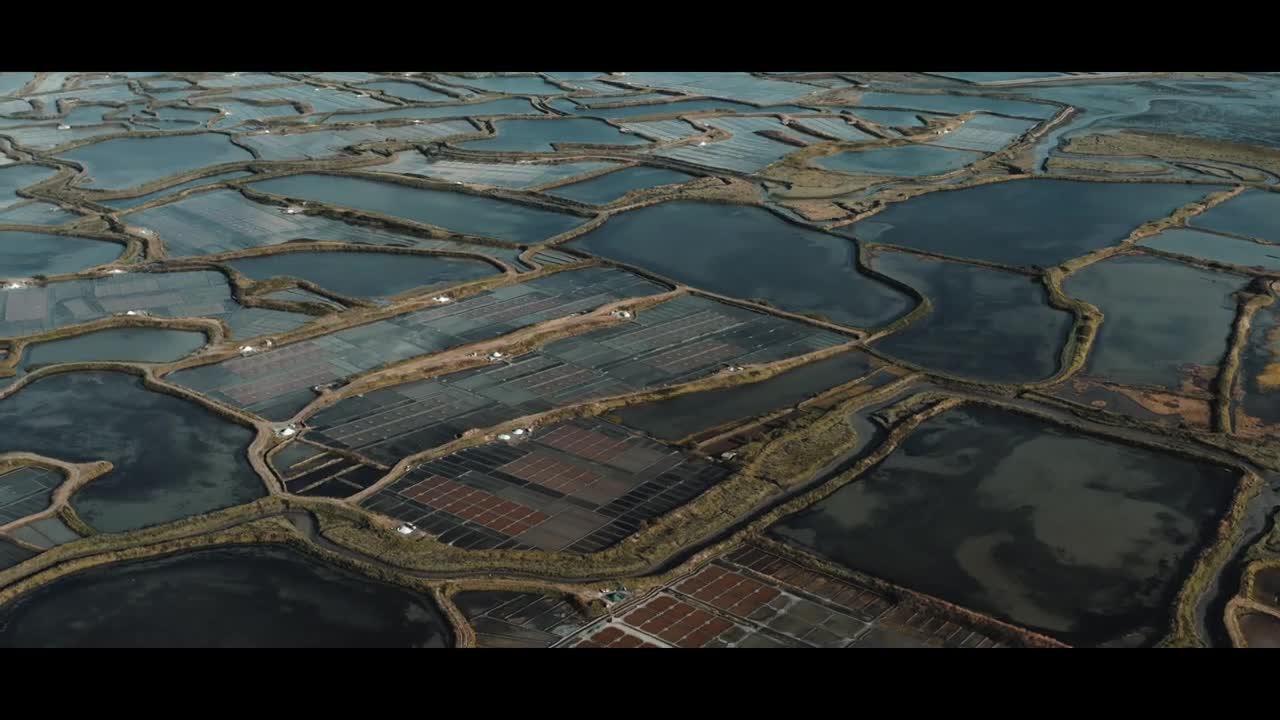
(817, 359)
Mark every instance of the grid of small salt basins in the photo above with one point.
(278, 383)
(26, 491)
(39, 309)
(745, 151)
(329, 475)
(677, 341)
(320, 144)
(507, 619)
(754, 598)
(579, 486)
(226, 221)
(985, 133)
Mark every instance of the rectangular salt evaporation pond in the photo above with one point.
(666, 108)
(24, 254)
(130, 162)
(507, 175)
(980, 78)
(1253, 213)
(15, 177)
(677, 341)
(749, 253)
(622, 97)
(540, 135)
(26, 491)
(366, 274)
(237, 112)
(306, 296)
(456, 211)
(745, 151)
(140, 344)
(696, 412)
(891, 118)
(48, 137)
(45, 534)
(1025, 222)
(1218, 248)
(612, 186)
(239, 80)
(983, 324)
(412, 92)
(226, 221)
(999, 513)
(126, 203)
(901, 161)
(1257, 391)
(1166, 323)
(505, 106)
(732, 85)
(277, 384)
(510, 84)
(825, 127)
(89, 114)
(985, 133)
(180, 294)
(577, 487)
(172, 458)
(321, 99)
(957, 104)
(11, 554)
(322, 144)
(343, 77)
(573, 75)
(169, 116)
(663, 130)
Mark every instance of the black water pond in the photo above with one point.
(172, 458)
(1025, 222)
(1081, 538)
(258, 596)
(749, 253)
